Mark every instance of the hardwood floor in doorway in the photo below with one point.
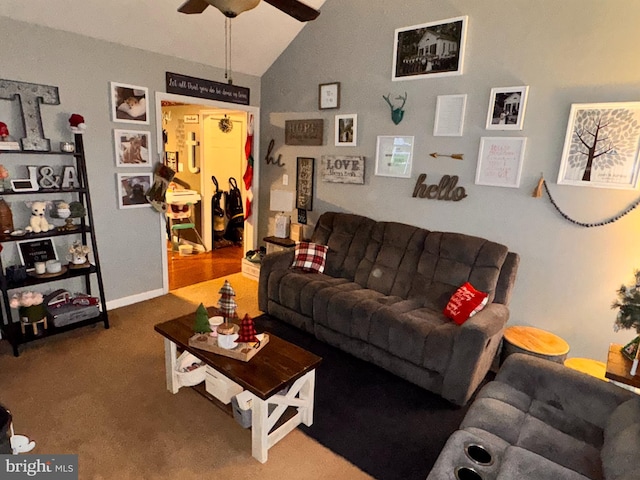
(190, 269)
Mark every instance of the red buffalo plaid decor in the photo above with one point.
(247, 331)
(310, 257)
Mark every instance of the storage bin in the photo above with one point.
(220, 386)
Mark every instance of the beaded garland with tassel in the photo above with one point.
(542, 184)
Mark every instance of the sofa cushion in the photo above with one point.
(296, 290)
(309, 257)
(418, 335)
(521, 464)
(448, 260)
(465, 303)
(620, 455)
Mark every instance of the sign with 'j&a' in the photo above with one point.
(446, 189)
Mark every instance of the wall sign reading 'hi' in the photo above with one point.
(445, 190)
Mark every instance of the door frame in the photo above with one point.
(250, 237)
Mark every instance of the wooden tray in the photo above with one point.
(243, 351)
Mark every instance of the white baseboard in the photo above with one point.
(140, 297)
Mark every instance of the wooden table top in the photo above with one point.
(276, 366)
(536, 340)
(619, 366)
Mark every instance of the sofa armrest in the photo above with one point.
(473, 352)
(577, 393)
(271, 263)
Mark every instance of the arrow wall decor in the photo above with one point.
(455, 156)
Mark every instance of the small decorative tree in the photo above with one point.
(201, 324)
(227, 304)
(628, 305)
(247, 332)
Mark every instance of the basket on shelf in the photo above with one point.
(187, 374)
(6, 217)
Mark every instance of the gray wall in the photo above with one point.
(573, 51)
(129, 241)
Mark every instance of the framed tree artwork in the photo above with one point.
(601, 146)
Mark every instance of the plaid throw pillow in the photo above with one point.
(310, 257)
(465, 303)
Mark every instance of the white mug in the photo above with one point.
(40, 267)
(228, 342)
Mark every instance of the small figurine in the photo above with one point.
(38, 222)
(78, 253)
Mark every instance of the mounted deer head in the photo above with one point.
(397, 113)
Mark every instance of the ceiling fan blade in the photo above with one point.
(193, 6)
(298, 10)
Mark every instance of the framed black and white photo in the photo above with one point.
(32, 251)
(601, 146)
(329, 95)
(394, 156)
(129, 103)
(132, 189)
(506, 108)
(500, 161)
(132, 148)
(434, 49)
(346, 130)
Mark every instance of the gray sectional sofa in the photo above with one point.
(382, 294)
(540, 420)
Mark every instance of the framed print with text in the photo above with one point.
(394, 156)
(500, 161)
(329, 95)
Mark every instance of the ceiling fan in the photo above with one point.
(233, 8)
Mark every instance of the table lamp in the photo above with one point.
(281, 202)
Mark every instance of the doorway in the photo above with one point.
(204, 147)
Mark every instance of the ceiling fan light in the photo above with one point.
(233, 8)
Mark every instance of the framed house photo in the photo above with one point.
(434, 49)
(346, 130)
(394, 156)
(132, 148)
(129, 103)
(601, 146)
(132, 189)
(500, 161)
(506, 108)
(329, 95)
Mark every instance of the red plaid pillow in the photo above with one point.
(465, 303)
(310, 257)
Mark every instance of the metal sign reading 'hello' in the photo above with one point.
(447, 189)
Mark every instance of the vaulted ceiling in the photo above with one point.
(258, 36)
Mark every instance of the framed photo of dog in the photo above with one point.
(129, 103)
(132, 148)
(132, 189)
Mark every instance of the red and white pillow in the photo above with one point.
(310, 257)
(465, 303)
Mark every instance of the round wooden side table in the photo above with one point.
(589, 366)
(534, 341)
